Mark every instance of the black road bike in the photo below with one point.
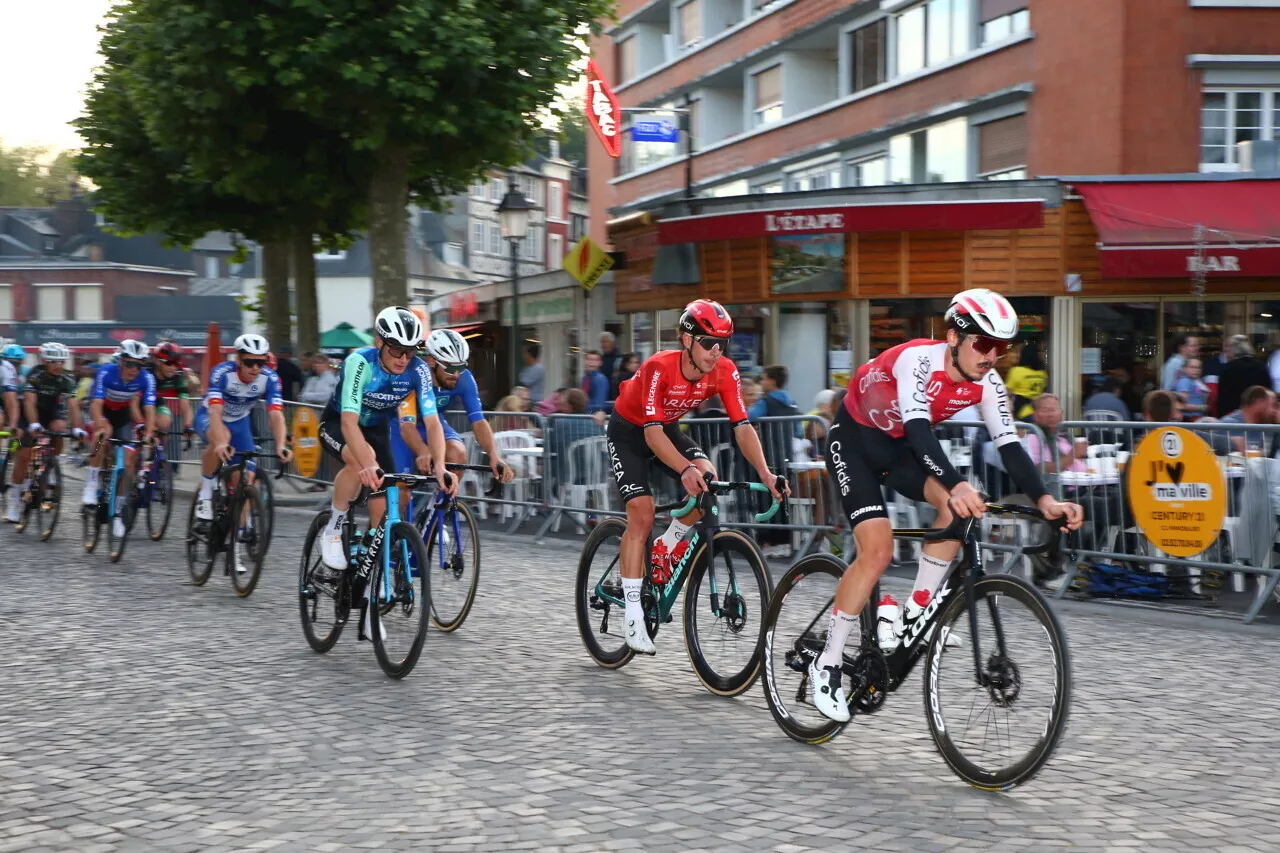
(238, 528)
(44, 497)
(990, 677)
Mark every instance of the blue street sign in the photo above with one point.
(654, 129)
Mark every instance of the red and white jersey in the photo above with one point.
(911, 381)
(659, 393)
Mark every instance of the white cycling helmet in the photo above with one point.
(448, 347)
(399, 326)
(54, 351)
(979, 311)
(249, 344)
(136, 350)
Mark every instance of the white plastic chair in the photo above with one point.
(588, 475)
(526, 470)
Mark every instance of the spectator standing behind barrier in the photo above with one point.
(565, 431)
(1242, 370)
(750, 391)
(609, 356)
(1184, 347)
(319, 388)
(776, 437)
(1026, 380)
(1192, 391)
(1107, 399)
(291, 378)
(824, 411)
(534, 375)
(627, 367)
(595, 384)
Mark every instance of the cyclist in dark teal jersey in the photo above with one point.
(354, 428)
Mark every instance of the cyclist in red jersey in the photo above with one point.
(883, 435)
(643, 426)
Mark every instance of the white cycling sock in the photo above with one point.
(930, 573)
(674, 534)
(838, 631)
(336, 518)
(91, 479)
(631, 595)
(206, 487)
(26, 484)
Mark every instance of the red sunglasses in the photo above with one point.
(985, 346)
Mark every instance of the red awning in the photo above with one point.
(1149, 230)
(908, 216)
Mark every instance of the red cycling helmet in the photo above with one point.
(169, 353)
(705, 317)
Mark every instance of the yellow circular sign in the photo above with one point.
(1177, 491)
(306, 442)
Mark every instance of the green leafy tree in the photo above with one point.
(423, 95)
(29, 178)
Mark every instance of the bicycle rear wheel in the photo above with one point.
(724, 609)
(91, 518)
(200, 551)
(453, 558)
(399, 608)
(1021, 673)
(323, 607)
(48, 498)
(599, 567)
(795, 634)
(246, 545)
(126, 514)
(160, 502)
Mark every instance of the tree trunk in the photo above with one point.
(304, 286)
(388, 227)
(275, 292)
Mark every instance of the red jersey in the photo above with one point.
(659, 393)
(910, 381)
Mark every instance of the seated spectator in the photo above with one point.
(1107, 399)
(1191, 390)
(511, 403)
(1257, 406)
(825, 412)
(1161, 407)
(568, 430)
(1057, 453)
(552, 404)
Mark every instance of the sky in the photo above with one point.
(48, 50)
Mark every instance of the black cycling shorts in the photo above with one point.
(860, 459)
(629, 454)
(47, 411)
(122, 423)
(333, 440)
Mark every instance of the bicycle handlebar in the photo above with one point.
(960, 528)
(680, 510)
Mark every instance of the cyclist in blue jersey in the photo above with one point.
(223, 420)
(447, 353)
(10, 381)
(123, 397)
(354, 427)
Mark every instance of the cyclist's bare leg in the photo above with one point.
(936, 557)
(639, 523)
(874, 539)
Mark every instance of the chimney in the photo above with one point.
(555, 148)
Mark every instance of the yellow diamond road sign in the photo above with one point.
(587, 262)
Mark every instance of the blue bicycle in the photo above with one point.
(155, 490)
(453, 546)
(117, 502)
(381, 578)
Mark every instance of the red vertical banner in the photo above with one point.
(603, 111)
(212, 354)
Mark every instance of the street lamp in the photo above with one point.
(513, 219)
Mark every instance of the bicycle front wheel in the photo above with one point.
(399, 602)
(724, 610)
(598, 594)
(998, 726)
(245, 556)
(126, 514)
(453, 554)
(323, 605)
(200, 550)
(160, 501)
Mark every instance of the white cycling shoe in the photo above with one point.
(15, 510)
(831, 703)
(331, 551)
(204, 509)
(637, 636)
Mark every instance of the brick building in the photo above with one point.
(943, 108)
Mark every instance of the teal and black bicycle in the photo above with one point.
(729, 588)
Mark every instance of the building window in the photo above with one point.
(690, 24)
(477, 189)
(932, 33)
(768, 88)
(691, 121)
(577, 226)
(88, 303)
(935, 155)
(770, 187)
(555, 200)
(626, 60)
(1002, 149)
(869, 173)
(477, 236)
(495, 239)
(496, 189)
(1001, 19)
(453, 254)
(210, 267)
(555, 250)
(867, 56)
(329, 255)
(6, 302)
(821, 177)
(1231, 117)
(51, 303)
(642, 155)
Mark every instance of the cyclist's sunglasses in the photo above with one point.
(707, 342)
(985, 346)
(396, 351)
(253, 362)
(452, 369)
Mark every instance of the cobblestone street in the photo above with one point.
(141, 713)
